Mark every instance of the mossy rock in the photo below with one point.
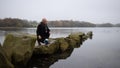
(4, 62)
(47, 49)
(19, 47)
(76, 36)
(90, 34)
(71, 42)
(85, 37)
(74, 40)
(60, 45)
(63, 44)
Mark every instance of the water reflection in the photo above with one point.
(101, 52)
(45, 61)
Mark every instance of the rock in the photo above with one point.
(4, 62)
(45, 56)
(45, 61)
(19, 47)
(90, 34)
(76, 36)
(85, 37)
(74, 40)
(60, 45)
(47, 49)
(63, 44)
(72, 43)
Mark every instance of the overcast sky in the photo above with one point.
(95, 11)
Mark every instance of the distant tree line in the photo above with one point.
(15, 22)
(108, 25)
(70, 23)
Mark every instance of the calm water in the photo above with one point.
(102, 51)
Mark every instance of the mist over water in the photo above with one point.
(102, 51)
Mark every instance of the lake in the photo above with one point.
(102, 51)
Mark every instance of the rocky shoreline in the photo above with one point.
(19, 49)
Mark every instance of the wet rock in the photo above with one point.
(19, 47)
(74, 40)
(45, 61)
(44, 56)
(63, 44)
(60, 45)
(90, 34)
(76, 36)
(47, 49)
(4, 62)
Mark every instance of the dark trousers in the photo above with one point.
(42, 38)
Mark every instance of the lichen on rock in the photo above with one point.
(74, 40)
(4, 62)
(19, 47)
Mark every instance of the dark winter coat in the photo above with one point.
(43, 30)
